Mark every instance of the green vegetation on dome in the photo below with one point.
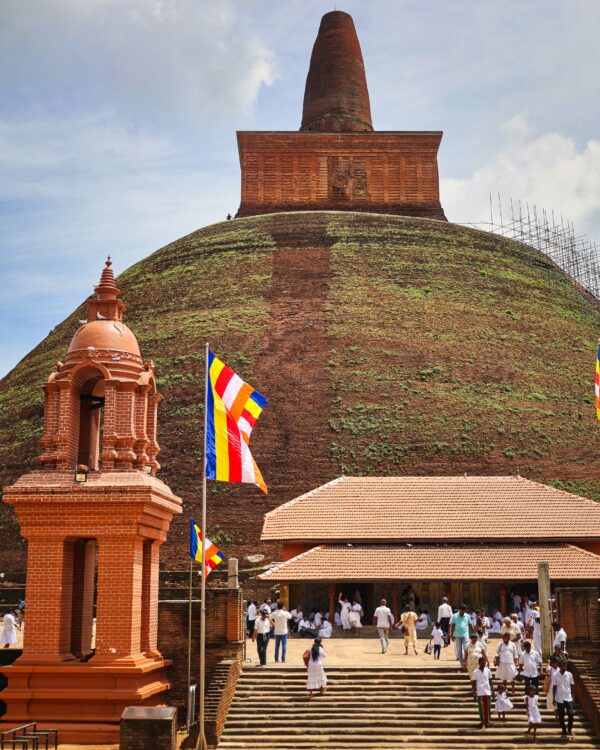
(385, 345)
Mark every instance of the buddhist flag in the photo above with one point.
(233, 407)
(597, 383)
(213, 555)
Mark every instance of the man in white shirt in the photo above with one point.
(382, 619)
(305, 630)
(326, 629)
(529, 664)
(280, 619)
(297, 615)
(261, 634)
(250, 617)
(562, 683)
(444, 615)
(560, 636)
(483, 691)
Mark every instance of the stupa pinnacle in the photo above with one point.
(337, 161)
(336, 98)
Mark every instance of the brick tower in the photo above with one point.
(94, 516)
(337, 161)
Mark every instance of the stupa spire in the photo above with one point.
(336, 97)
(105, 304)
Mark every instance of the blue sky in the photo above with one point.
(118, 120)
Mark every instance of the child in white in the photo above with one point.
(503, 702)
(437, 636)
(534, 716)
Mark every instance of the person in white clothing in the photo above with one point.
(317, 619)
(529, 664)
(506, 656)
(251, 612)
(262, 633)
(534, 717)
(382, 619)
(423, 621)
(316, 677)
(280, 619)
(337, 620)
(326, 630)
(345, 611)
(305, 629)
(560, 636)
(444, 615)
(297, 615)
(355, 614)
(563, 697)
(437, 636)
(503, 702)
(9, 629)
(483, 691)
(537, 631)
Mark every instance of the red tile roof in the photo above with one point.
(421, 509)
(379, 562)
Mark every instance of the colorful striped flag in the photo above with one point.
(597, 383)
(233, 407)
(213, 555)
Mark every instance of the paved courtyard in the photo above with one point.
(352, 651)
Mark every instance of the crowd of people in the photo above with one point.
(516, 656)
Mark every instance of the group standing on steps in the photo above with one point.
(517, 656)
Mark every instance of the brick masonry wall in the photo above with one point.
(224, 642)
(379, 172)
(578, 613)
(152, 727)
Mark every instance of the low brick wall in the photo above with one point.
(224, 641)
(219, 696)
(148, 727)
(587, 690)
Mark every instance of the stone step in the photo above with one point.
(372, 708)
(477, 743)
(393, 729)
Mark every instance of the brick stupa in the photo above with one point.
(102, 534)
(337, 161)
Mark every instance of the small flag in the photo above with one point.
(597, 383)
(233, 408)
(213, 555)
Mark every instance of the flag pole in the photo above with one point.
(189, 664)
(201, 735)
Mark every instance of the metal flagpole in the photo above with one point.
(189, 664)
(201, 736)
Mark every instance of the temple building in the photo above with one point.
(473, 539)
(337, 161)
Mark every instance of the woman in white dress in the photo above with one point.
(316, 678)
(354, 617)
(506, 657)
(9, 631)
(345, 611)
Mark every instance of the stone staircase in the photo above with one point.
(383, 708)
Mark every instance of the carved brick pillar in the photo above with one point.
(109, 438)
(49, 600)
(150, 581)
(82, 615)
(118, 608)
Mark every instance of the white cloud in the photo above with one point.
(547, 169)
(150, 59)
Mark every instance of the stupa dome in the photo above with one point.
(385, 345)
(105, 334)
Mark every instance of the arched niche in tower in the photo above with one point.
(88, 390)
